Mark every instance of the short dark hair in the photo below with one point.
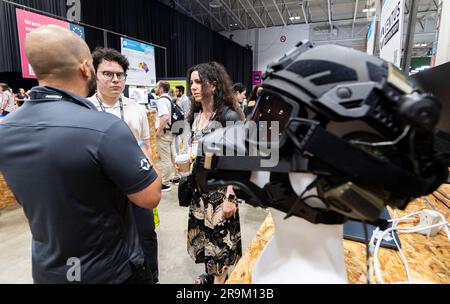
(239, 87)
(164, 85)
(4, 86)
(180, 88)
(112, 55)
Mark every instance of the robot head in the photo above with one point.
(353, 120)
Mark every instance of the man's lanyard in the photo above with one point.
(120, 105)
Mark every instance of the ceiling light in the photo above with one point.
(215, 3)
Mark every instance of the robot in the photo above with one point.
(352, 135)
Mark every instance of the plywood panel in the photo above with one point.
(428, 257)
(6, 197)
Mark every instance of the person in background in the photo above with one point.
(153, 94)
(183, 100)
(239, 92)
(185, 105)
(214, 234)
(7, 100)
(111, 70)
(164, 137)
(21, 97)
(172, 95)
(75, 169)
(175, 143)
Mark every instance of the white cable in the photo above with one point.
(400, 251)
(395, 222)
(383, 143)
(402, 230)
(376, 266)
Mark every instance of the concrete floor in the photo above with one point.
(175, 265)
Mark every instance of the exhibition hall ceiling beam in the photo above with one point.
(329, 16)
(309, 11)
(230, 11)
(279, 12)
(436, 4)
(248, 13)
(211, 14)
(304, 12)
(288, 10)
(267, 12)
(257, 15)
(354, 17)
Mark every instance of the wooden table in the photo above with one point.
(428, 257)
(6, 197)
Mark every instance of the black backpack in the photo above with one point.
(176, 114)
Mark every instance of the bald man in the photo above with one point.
(73, 169)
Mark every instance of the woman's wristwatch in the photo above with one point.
(231, 198)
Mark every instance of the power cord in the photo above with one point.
(418, 228)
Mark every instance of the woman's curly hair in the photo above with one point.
(213, 73)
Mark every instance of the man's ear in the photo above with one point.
(84, 68)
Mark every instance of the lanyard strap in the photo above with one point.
(120, 105)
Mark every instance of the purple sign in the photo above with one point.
(257, 77)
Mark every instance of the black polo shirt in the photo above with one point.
(71, 168)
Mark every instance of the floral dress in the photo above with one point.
(212, 239)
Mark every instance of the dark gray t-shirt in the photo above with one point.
(71, 168)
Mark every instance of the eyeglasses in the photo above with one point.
(110, 75)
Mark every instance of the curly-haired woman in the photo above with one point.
(214, 234)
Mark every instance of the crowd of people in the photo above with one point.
(114, 237)
(9, 100)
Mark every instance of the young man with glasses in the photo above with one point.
(111, 67)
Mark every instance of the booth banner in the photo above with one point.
(139, 95)
(26, 22)
(177, 82)
(142, 62)
(391, 32)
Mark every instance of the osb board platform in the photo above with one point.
(428, 258)
(6, 197)
(151, 122)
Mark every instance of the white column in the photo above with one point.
(256, 50)
(443, 47)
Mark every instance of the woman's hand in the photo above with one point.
(228, 208)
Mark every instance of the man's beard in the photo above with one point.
(92, 84)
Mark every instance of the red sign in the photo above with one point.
(283, 39)
(26, 22)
